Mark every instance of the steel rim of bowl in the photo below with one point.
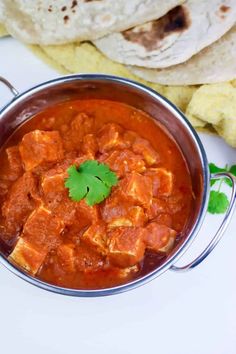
(195, 228)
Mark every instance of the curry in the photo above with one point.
(74, 243)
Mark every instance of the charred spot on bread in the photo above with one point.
(150, 34)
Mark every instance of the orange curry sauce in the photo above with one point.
(74, 245)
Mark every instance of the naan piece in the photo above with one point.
(3, 31)
(63, 21)
(174, 38)
(215, 105)
(47, 60)
(85, 58)
(213, 64)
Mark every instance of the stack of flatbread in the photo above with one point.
(186, 50)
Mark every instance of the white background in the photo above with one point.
(188, 313)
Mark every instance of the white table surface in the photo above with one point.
(189, 313)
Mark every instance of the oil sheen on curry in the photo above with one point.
(72, 243)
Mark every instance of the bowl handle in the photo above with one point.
(9, 85)
(221, 229)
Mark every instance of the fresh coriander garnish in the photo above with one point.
(92, 181)
(216, 169)
(219, 202)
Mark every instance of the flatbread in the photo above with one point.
(63, 21)
(3, 31)
(174, 38)
(47, 60)
(215, 105)
(213, 64)
(85, 58)
(210, 108)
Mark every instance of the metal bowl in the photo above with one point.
(25, 105)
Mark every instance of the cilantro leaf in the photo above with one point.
(72, 184)
(100, 170)
(215, 169)
(92, 181)
(233, 171)
(218, 203)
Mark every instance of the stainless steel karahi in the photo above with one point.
(23, 106)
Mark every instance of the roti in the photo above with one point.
(174, 38)
(63, 21)
(213, 64)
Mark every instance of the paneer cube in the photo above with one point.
(90, 145)
(20, 202)
(124, 161)
(63, 208)
(124, 273)
(144, 148)
(81, 159)
(96, 238)
(66, 257)
(162, 181)
(137, 216)
(90, 213)
(87, 260)
(15, 163)
(137, 188)
(157, 207)
(134, 216)
(75, 216)
(126, 246)
(168, 246)
(53, 183)
(130, 137)
(120, 221)
(160, 238)
(40, 146)
(114, 207)
(28, 256)
(110, 137)
(80, 126)
(164, 219)
(43, 229)
(118, 211)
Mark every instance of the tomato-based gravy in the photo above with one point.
(73, 244)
